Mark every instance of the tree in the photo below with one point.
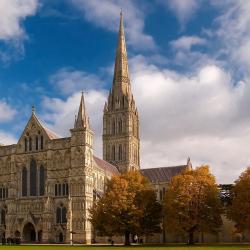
(240, 196)
(192, 203)
(129, 206)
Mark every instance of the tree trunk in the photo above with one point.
(127, 239)
(191, 238)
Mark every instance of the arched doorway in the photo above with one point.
(59, 237)
(29, 233)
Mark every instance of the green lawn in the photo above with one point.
(145, 247)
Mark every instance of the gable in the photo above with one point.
(35, 134)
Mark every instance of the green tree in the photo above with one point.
(192, 203)
(129, 206)
(239, 210)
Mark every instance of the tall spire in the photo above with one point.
(121, 73)
(82, 119)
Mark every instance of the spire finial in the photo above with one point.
(33, 109)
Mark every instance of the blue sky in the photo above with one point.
(189, 64)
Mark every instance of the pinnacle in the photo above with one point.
(81, 119)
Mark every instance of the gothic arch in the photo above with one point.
(42, 180)
(120, 156)
(120, 125)
(24, 181)
(61, 214)
(29, 232)
(113, 153)
(33, 178)
(113, 132)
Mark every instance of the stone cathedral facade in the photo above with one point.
(47, 183)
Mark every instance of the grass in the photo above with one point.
(145, 247)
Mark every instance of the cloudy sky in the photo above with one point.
(189, 63)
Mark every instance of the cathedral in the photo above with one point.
(48, 183)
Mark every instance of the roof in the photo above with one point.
(163, 174)
(106, 166)
(52, 135)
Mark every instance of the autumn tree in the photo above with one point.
(239, 210)
(192, 203)
(129, 206)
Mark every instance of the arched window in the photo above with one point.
(113, 127)
(33, 178)
(58, 215)
(64, 215)
(25, 144)
(161, 196)
(24, 181)
(59, 189)
(36, 142)
(30, 144)
(3, 215)
(42, 181)
(120, 152)
(64, 188)
(61, 214)
(56, 190)
(120, 126)
(41, 142)
(67, 189)
(113, 152)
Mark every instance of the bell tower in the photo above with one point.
(121, 142)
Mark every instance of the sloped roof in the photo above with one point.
(106, 166)
(163, 174)
(52, 135)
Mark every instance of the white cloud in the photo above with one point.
(183, 9)
(7, 138)
(203, 115)
(6, 112)
(106, 14)
(233, 33)
(69, 81)
(60, 114)
(187, 42)
(12, 32)
(12, 13)
(187, 53)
